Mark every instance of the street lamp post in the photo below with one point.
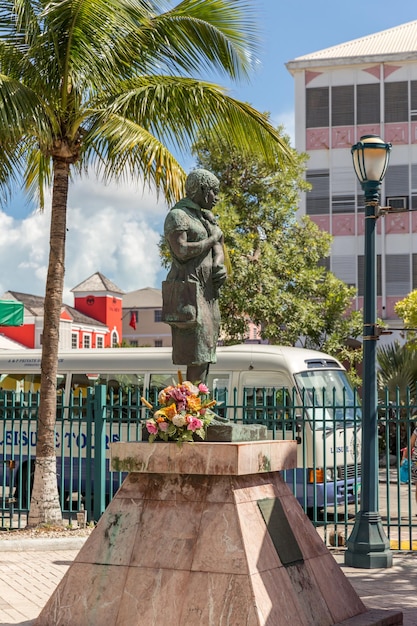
(367, 546)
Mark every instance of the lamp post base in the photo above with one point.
(368, 546)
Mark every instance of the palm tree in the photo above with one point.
(108, 85)
(397, 370)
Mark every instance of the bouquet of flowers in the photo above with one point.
(183, 411)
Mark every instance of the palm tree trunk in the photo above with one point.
(45, 507)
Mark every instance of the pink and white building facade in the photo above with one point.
(365, 86)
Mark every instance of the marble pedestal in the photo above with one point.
(207, 534)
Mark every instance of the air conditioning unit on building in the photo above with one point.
(398, 203)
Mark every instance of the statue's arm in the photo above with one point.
(185, 250)
(218, 253)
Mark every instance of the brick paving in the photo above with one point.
(29, 576)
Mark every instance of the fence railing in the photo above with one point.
(327, 483)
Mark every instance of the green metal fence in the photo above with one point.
(329, 491)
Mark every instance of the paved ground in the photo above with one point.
(31, 569)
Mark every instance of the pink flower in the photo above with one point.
(151, 427)
(203, 388)
(163, 426)
(179, 397)
(194, 423)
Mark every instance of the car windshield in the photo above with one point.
(329, 397)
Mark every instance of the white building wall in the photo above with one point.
(396, 240)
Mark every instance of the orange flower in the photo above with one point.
(193, 403)
(167, 412)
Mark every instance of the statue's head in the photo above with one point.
(202, 187)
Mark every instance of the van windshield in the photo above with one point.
(329, 397)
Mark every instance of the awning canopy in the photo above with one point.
(11, 313)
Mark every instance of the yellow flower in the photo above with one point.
(167, 411)
(193, 403)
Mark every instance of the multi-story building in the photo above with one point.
(142, 319)
(365, 86)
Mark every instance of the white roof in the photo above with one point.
(149, 297)
(97, 283)
(400, 42)
(9, 344)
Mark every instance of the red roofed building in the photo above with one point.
(95, 321)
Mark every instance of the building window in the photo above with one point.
(397, 181)
(396, 102)
(344, 267)
(134, 343)
(414, 177)
(317, 107)
(343, 204)
(318, 198)
(368, 104)
(343, 186)
(397, 274)
(343, 109)
(99, 342)
(157, 315)
(74, 341)
(414, 269)
(361, 275)
(114, 339)
(324, 263)
(158, 343)
(87, 341)
(413, 103)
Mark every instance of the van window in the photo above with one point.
(157, 382)
(267, 399)
(269, 406)
(330, 397)
(218, 385)
(20, 382)
(116, 384)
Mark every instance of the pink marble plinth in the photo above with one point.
(213, 458)
(193, 548)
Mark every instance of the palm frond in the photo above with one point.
(22, 111)
(205, 35)
(38, 174)
(19, 18)
(10, 166)
(397, 367)
(121, 149)
(176, 109)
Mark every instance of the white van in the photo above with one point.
(297, 393)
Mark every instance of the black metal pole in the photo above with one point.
(367, 546)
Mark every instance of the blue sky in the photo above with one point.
(115, 230)
(296, 27)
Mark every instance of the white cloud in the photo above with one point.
(112, 229)
(287, 120)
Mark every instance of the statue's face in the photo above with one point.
(209, 197)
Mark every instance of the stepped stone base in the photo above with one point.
(206, 535)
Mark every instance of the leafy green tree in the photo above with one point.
(397, 376)
(108, 84)
(406, 309)
(278, 280)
